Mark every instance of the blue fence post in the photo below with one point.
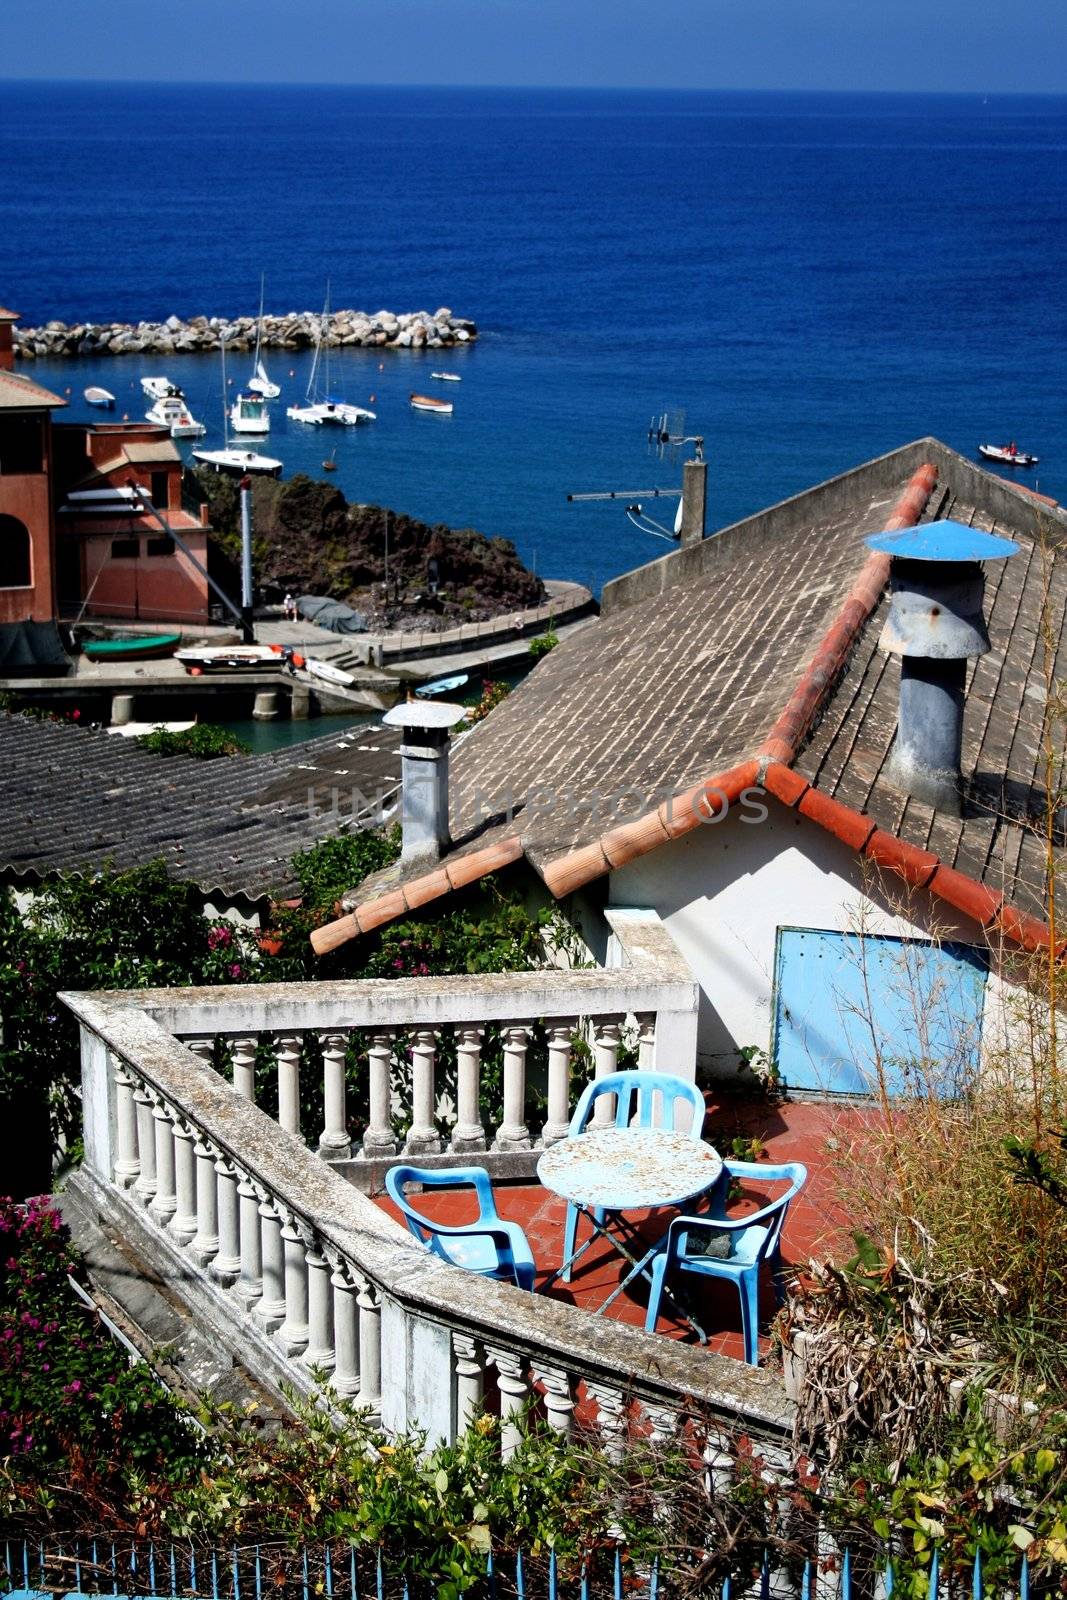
(114, 1570)
(976, 1578)
(520, 1577)
(236, 1577)
(935, 1576)
(552, 1582)
(618, 1574)
(380, 1579)
(351, 1572)
(805, 1581)
(846, 1574)
(173, 1570)
(1024, 1578)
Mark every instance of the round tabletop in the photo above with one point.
(628, 1169)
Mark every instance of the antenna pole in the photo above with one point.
(247, 630)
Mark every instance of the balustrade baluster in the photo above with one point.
(370, 1348)
(718, 1466)
(470, 1380)
(559, 1397)
(287, 1047)
(606, 1032)
(345, 1377)
(205, 1242)
(611, 1406)
(270, 1308)
(165, 1200)
(227, 1262)
(294, 1332)
(127, 1166)
(646, 1040)
(423, 1138)
(511, 1381)
(513, 1133)
(320, 1348)
(203, 1048)
(334, 1143)
(146, 1142)
(243, 1054)
(250, 1282)
(468, 1133)
(378, 1139)
(560, 1044)
(183, 1222)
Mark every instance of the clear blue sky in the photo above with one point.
(965, 45)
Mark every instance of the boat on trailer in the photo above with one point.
(429, 402)
(225, 657)
(1007, 455)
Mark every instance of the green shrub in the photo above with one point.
(203, 740)
(541, 646)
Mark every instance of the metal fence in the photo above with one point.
(34, 1571)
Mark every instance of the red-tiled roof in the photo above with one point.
(18, 393)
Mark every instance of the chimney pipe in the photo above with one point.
(694, 501)
(935, 625)
(424, 777)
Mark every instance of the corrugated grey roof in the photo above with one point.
(78, 798)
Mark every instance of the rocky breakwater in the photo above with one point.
(297, 330)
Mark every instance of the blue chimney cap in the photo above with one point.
(943, 541)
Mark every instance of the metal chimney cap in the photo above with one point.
(424, 714)
(943, 541)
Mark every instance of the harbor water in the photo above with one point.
(810, 279)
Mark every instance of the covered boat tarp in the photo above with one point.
(331, 614)
(31, 649)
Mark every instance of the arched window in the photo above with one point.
(14, 554)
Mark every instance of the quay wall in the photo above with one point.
(295, 330)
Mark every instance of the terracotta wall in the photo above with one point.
(150, 588)
(27, 497)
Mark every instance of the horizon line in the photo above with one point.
(539, 88)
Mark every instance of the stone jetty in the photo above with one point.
(296, 330)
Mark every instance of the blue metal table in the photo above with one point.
(616, 1170)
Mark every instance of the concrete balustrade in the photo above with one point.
(279, 1253)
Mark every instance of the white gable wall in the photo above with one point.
(725, 889)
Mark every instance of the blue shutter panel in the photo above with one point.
(848, 1006)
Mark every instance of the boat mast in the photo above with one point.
(225, 403)
(259, 324)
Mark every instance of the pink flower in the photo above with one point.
(235, 970)
(219, 938)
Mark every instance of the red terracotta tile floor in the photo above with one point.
(817, 1224)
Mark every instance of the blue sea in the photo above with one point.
(811, 279)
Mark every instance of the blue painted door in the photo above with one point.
(852, 1011)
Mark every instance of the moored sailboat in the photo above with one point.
(319, 405)
(259, 382)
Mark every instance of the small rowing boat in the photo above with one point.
(429, 402)
(447, 377)
(442, 685)
(99, 397)
(1008, 455)
(135, 647)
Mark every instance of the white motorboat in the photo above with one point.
(320, 406)
(429, 402)
(159, 388)
(230, 459)
(99, 397)
(447, 377)
(172, 412)
(259, 382)
(225, 657)
(249, 414)
(1008, 455)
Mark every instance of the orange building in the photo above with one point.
(119, 490)
(27, 572)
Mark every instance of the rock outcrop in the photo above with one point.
(310, 540)
(297, 330)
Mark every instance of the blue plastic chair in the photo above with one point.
(491, 1247)
(751, 1240)
(635, 1092)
